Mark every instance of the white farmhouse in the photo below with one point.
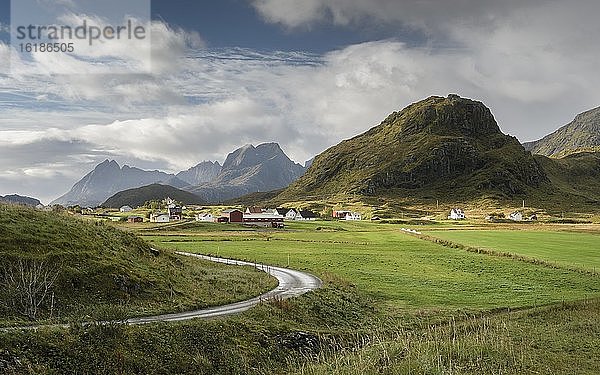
(516, 216)
(160, 218)
(291, 215)
(353, 216)
(205, 218)
(456, 214)
(125, 209)
(306, 215)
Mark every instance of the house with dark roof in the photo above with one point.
(306, 215)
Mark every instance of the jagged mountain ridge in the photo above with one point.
(451, 146)
(201, 173)
(251, 169)
(582, 134)
(105, 180)
(246, 170)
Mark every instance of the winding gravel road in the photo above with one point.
(291, 284)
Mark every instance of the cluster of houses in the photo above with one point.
(259, 216)
(459, 214)
(174, 213)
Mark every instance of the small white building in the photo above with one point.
(353, 216)
(456, 214)
(305, 215)
(291, 214)
(160, 218)
(516, 216)
(205, 218)
(125, 209)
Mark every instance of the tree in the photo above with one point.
(27, 286)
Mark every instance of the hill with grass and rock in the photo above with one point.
(155, 192)
(439, 146)
(581, 135)
(21, 200)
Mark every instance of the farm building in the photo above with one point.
(175, 213)
(516, 216)
(456, 214)
(234, 216)
(279, 211)
(125, 209)
(305, 215)
(135, 219)
(353, 216)
(264, 220)
(340, 214)
(160, 218)
(254, 210)
(291, 214)
(205, 217)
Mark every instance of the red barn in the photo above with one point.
(234, 216)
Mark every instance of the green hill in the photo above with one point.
(582, 134)
(91, 268)
(449, 147)
(137, 197)
(575, 176)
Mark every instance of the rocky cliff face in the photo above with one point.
(201, 173)
(582, 134)
(251, 169)
(441, 144)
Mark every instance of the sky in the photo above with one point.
(306, 74)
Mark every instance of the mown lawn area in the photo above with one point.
(569, 249)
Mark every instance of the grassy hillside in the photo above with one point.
(439, 146)
(137, 197)
(576, 176)
(98, 269)
(562, 339)
(582, 134)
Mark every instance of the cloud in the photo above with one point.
(533, 64)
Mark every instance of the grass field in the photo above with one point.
(392, 303)
(398, 270)
(569, 249)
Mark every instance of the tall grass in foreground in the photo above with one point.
(554, 340)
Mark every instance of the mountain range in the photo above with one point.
(582, 134)
(438, 147)
(246, 170)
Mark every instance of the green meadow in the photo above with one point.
(569, 249)
(400, 271)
